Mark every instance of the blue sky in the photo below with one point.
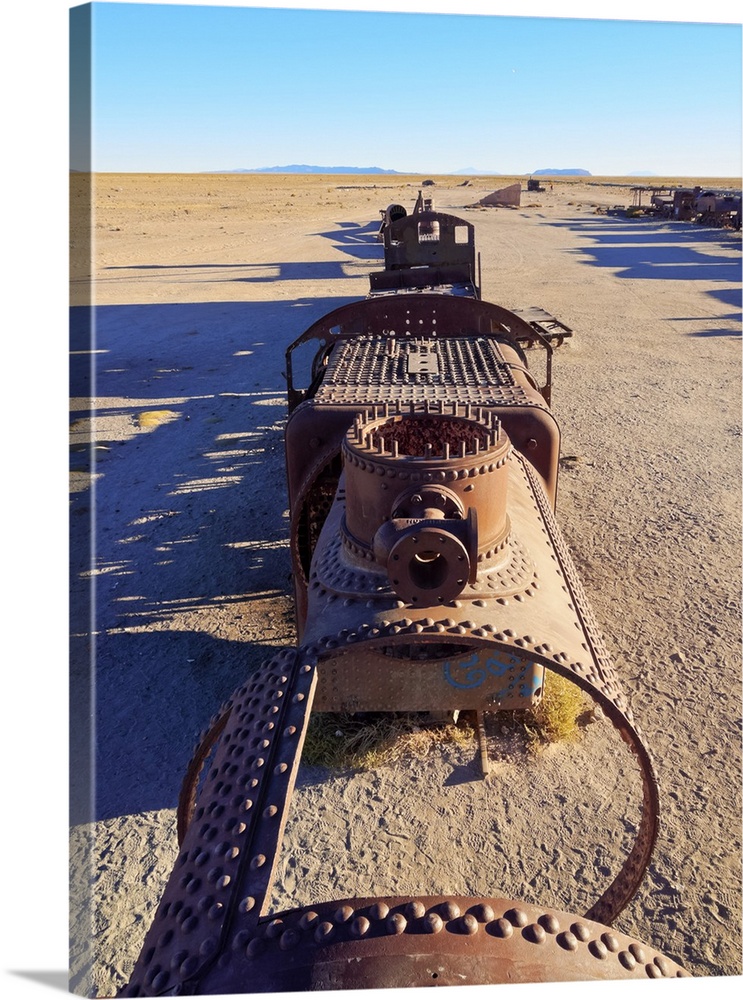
(204, 87)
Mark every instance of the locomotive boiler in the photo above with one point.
(430, 575)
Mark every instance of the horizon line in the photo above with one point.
(403, 173)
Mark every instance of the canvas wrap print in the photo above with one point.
(403, 559)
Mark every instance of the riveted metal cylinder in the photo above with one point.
(426, 497)
(390, 459)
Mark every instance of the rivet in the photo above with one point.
(432, 923)
(178, 959)
(637, 951)
(517, 917)
(343, 914)
(449, 910)
(653, 971)
(610, 941)
(289, 939)
(414, 909)
(483, 912)
(396, 923)
(274, 929)
(324, 932)
(379, 911)
(503, 928)
(581, 931)
(627, 959)
(359, 927)
(151, 973)
(208, 946)
(215, 912)
(258, 861)
(240, 940)
(189, 966)
(160, 981)
(550, 923)
(247, 904)
(535, 933)
(255, 947)
(664, 965)
(567, 940)
(469, 923)
(308, 919)
(270, 811)
(598, 949)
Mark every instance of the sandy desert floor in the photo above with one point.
(200, 283)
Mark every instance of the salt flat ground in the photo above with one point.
(200, 282)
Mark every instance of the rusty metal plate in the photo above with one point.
(226, 863)
(431, 941)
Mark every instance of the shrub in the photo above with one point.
(556, 719)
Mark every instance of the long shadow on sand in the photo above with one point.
(179, 560)
(653, 250)
(658, 250)
(268, 271)
(357, 241)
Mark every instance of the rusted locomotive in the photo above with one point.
(430, 575)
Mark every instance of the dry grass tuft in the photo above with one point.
(369, 740)
(556, 719)
(366, 741)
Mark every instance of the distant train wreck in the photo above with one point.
(708, 207)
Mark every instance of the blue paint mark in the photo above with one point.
(472, 678)
(475, 673)
(520, 679)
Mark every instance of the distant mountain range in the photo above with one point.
(551, 171)
(568, 172)
(303, 168)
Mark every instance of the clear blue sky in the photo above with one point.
(193, 88)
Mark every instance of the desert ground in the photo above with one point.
(179, 532)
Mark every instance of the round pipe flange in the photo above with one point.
(428, 565)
